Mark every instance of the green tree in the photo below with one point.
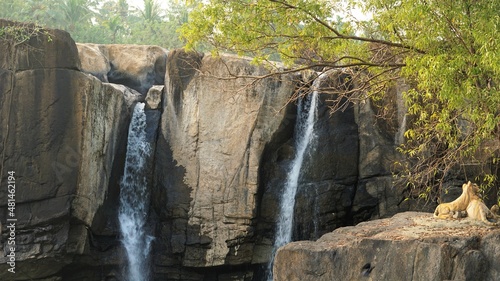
(176, 16)
(447, 50)
(10, 9)
(152, 11)
(38, 11)
(157, 26)
(73, 13)
(112, 21)
(122, 8)
(114, 24)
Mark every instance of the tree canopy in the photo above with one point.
(447, 51)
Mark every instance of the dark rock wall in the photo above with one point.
(328, 176)
(62, 134)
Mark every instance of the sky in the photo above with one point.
(136, 3)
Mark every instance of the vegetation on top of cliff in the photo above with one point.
(20, 34)
(105, 22)
(447, 51)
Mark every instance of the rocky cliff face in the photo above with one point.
(62, 134)
(223, 156)
(219, 167)
(213, 134)
(329, 174)
(408, 246)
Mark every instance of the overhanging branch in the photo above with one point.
(339, 35)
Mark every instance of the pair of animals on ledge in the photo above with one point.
(468, 204)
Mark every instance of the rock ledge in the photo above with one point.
(408, 246)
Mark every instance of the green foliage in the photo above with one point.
(455, 101)
(292, 29)
(20, 34)
(448, 51)
(110, 21)
(15, 34)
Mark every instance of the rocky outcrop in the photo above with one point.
(63, 134)
(408, 246)
(32, 43)
(136, 66)
(94, 61)
(153, 98)
(224, 153)
(213, 135)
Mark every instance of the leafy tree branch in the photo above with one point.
(447, 51)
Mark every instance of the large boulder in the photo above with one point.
(408, 246)
(94, 61)
(33, 42)
(136, 66)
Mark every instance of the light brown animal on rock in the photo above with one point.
(447, 210)
(477, 210)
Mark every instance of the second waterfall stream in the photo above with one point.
(307, 113)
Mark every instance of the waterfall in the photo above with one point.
(304, 133)
(134, 199)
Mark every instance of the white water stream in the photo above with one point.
(134, 199)
(304, 133)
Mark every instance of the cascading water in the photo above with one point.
(304, 133)
(134, 199)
